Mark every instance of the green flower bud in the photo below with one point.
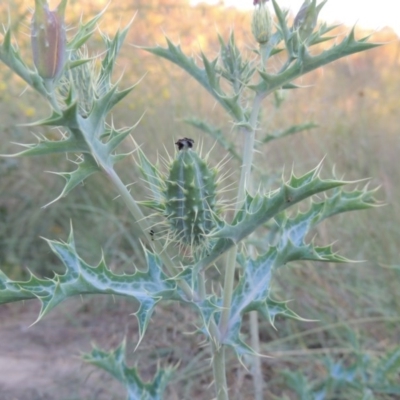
(261, 24)
(48, 39)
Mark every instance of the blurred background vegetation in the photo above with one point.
(355, 103)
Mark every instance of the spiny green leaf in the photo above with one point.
(113, 46)
(86, 168)
(116, 137)
(72, 144)
(85, 31)
(343, 201)
(6, 45)
(282, 24)
(253, 290)
(10, 56)
(234, 68)
(231, 103)
(102, 105)
(289, 131)
(115, 364)
(259, 209)
(272, 308)
(84, 138)
(153, 177)
(290, 86)
(340, 201)
(77, 63)
(306, 63)
(148, 288)
(318, 36)
(10, 291)
(207, 76)
(174, 54)
(211, 71)
(68, 117)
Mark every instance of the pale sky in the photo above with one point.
(374, 14)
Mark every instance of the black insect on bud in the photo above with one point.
(185, 143)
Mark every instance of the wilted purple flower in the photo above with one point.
(48, 39)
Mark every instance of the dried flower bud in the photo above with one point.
(48, 39)
(261, 24)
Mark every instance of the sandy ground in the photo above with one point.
(41, 362)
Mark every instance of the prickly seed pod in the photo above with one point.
(190, 196)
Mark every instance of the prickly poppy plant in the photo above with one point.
(185, 192)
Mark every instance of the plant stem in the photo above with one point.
(144, 226)
(50, 95)
(230, 264)
(248, 150)
(218, 359)
(219, 372)
(265, 50)
(202, 286)
(256, 370)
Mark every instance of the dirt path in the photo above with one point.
(42, 362)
